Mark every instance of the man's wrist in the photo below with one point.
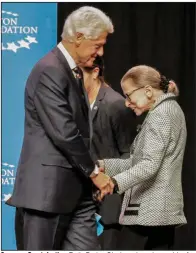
(95, 172)
(100, 164)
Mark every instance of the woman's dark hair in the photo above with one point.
(98, 63)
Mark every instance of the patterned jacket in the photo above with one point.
(151, 177)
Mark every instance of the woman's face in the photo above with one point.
(139, 99)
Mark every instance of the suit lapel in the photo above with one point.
(86, 96)
(66, 67)
(99, 98)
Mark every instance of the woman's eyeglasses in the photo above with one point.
(128, 95)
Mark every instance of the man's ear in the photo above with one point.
(79, 38)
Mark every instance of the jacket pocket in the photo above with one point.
(55, 160)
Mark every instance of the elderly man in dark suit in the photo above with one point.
(55, 172)
(114, 129)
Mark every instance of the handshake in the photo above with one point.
(105, 185)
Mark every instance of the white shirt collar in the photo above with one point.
(91, 106)
(68, 57)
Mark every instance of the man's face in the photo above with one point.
(87, 50)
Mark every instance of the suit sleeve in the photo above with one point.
(150, 153)
(55, 114)
(123, 127)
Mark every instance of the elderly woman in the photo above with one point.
(151, 178)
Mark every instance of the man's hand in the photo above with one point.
(103, 183)
(101, 194)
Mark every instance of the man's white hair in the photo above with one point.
(89, 21)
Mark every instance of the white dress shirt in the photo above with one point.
(68, 57)
(91, 106)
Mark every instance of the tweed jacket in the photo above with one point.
(151, 177)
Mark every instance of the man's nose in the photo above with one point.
(100, 52)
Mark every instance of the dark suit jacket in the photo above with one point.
(114, 126)
(55, 163)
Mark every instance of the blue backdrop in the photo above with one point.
(28, 33)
